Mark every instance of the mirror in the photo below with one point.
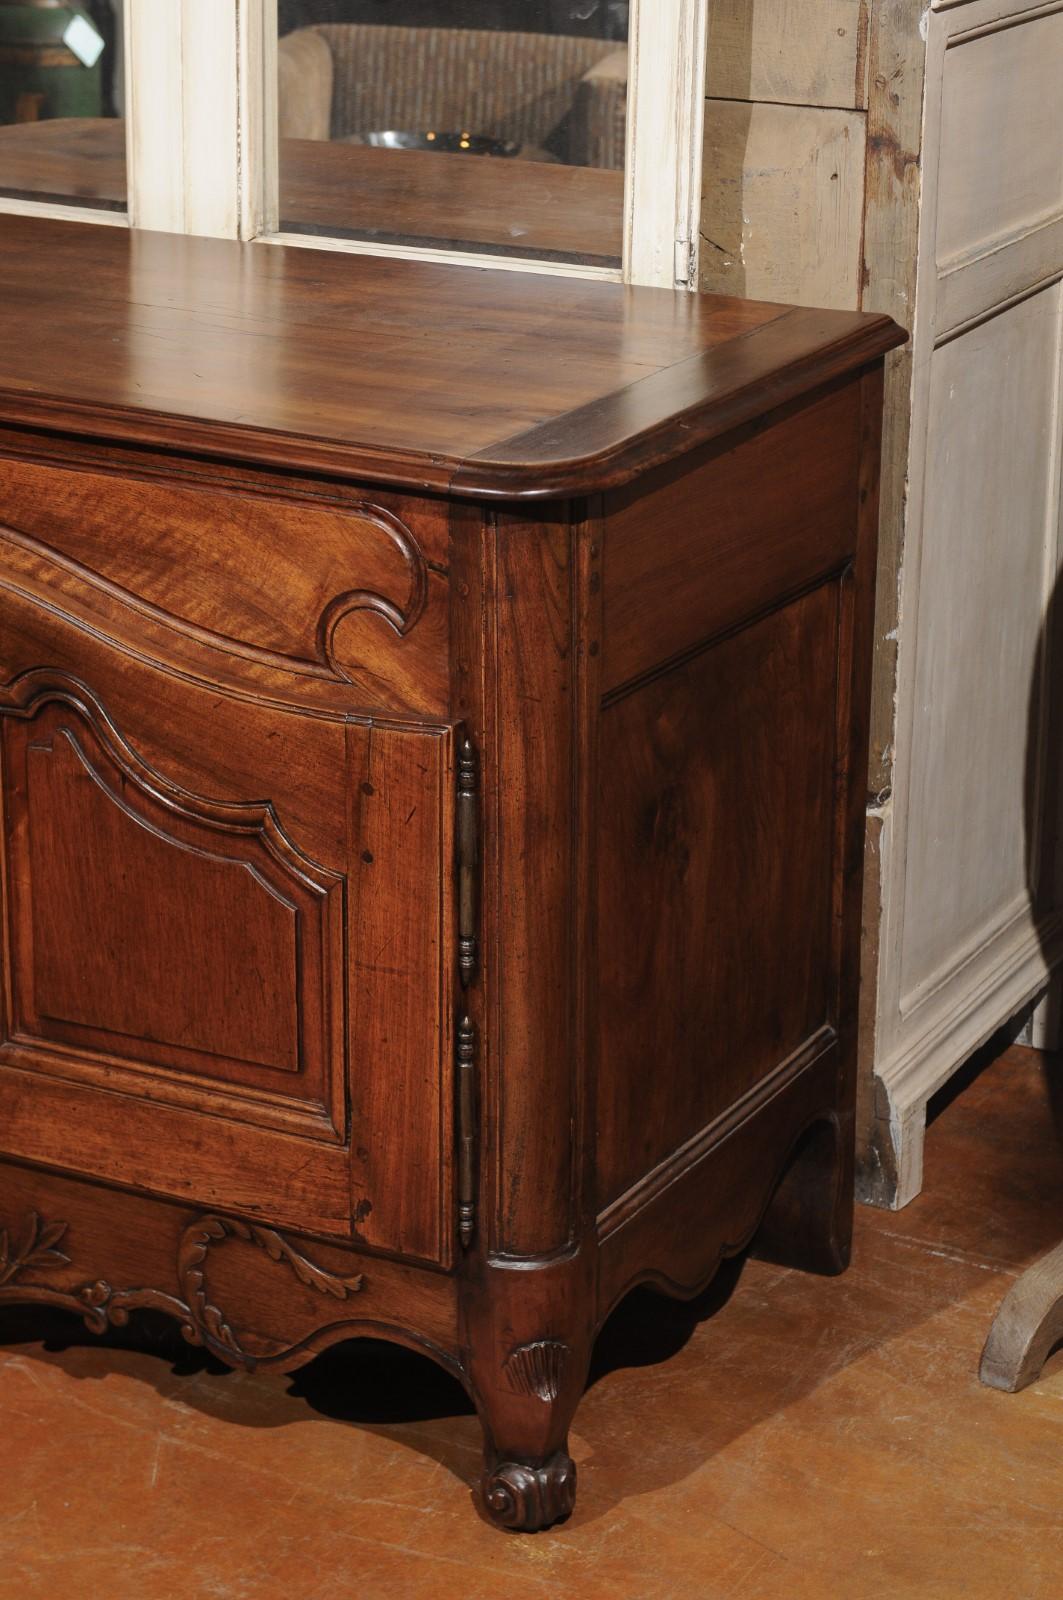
(492, 126)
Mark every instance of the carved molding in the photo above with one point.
(27, 694)
(538, 1369)
(742, 1232)
(36, 1250)
(402, 614)
(675, 1168)
(207, 1320)
(202, 1322)
(402, 618)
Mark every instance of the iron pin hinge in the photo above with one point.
(468, 861)
(467, 1130)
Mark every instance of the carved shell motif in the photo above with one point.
(537, 1369)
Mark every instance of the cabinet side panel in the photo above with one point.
(732, 754)
(696, 549)
(717, 846)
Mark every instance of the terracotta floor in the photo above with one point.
(802, 1438)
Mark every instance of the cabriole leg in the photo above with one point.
(529, 1478)
(529, 1350)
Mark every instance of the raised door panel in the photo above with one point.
(115, 878)
(174, 983)
(226, 914)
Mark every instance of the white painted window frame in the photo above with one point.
(197, 113)
(665, 139)
(201, 151)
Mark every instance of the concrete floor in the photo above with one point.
(796, 1438)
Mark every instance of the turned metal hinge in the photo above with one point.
(468, 862)
(468, 853)
(467, 1130)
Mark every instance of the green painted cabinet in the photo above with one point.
(40, 76)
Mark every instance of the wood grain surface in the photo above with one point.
(705, 771)
(499, 384)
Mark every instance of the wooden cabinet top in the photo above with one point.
(485, 383)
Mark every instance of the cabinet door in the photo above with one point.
(226, 888)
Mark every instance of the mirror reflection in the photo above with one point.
(61, 98)
(496, 126)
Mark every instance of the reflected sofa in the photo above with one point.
(564, 98)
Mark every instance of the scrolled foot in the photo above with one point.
(525, 1498)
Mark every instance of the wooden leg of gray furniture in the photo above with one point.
(1027, 1327)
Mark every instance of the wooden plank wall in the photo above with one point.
(811, 196)
(785, 142)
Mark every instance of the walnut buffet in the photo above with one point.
(433, 720)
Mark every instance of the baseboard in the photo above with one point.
(966, 1015)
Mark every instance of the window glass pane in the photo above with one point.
(61, 134)
(495, 126)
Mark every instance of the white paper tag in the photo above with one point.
(83, 39)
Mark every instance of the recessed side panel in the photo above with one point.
(716, 883)
(1001, 171)
(174, 984)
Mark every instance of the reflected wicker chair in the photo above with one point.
(562, 96)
